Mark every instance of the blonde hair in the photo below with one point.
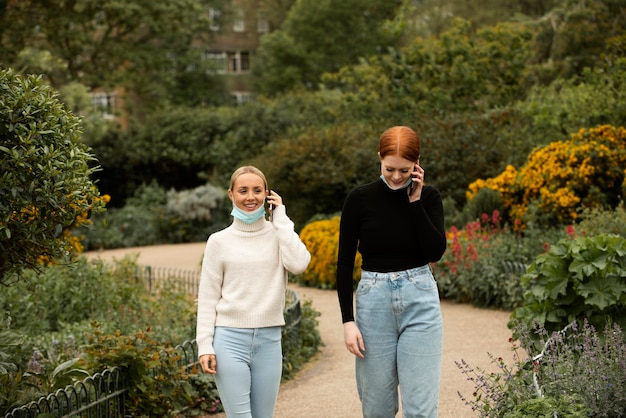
(246, 169)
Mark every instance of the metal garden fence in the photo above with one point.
(103, 395)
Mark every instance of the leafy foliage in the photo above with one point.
(45, 189)
(132, 331)
(158, 383)
(485, 260)
(576, 372)
(564, 176)
(319, 37)
(594, 98)
(299, 346)
(315, 170)
(578, 278)
(597, 221)
(143, 46)
(154, 216)
(574, 35)
(464, 120)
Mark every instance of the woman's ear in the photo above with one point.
(230, 194)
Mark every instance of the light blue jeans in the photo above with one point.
(399, 316)
(249, 368)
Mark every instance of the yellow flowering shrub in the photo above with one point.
(322, 240)
(45, 175)
(564, 177)
(72, 244)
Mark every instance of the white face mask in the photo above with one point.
(405, 185)
(248, 217)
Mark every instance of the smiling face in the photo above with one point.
(248, 192)
(396, 170)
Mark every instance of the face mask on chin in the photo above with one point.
(404, 186)
(248, 217)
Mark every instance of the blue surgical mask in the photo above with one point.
(404, 186)
(248, 217)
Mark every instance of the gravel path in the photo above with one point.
(326, 388)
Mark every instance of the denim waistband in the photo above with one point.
(395, 275)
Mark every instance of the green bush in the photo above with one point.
(133, 331)
(45, 185)
(65, 299)
(484, 262)
(300, 346)
(602, 221)
(157, 381)
(578, 278)
(154, 216)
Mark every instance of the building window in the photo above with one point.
(262, 24)
(242, 97)
(245, 61)
(104, 103)
(218, 61)
(238, 61)
(228, 62)
(214, 18)
(239, 24)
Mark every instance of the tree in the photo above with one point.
(576, 35)
(140, 45)
(45, 189)
(439, 86)
(321, 36)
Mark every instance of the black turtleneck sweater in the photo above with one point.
(391, 233)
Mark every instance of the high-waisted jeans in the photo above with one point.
(399, 316)
(249, 368)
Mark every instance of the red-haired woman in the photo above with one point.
(397, 224)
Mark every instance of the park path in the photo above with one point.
(326, 387)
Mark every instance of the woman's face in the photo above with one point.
(248, 192)
(396, 170)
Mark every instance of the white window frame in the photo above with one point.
(262, 24)
(104, 102)
(239, 21)
(242, 97)
(219, 59)
(214, 17)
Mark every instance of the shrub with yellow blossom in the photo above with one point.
(564, 177)
(45, 185)
(322, 240)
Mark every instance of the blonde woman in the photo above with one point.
(242, 296)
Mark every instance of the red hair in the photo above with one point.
(401, 141)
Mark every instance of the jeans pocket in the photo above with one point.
(364, 286)
(423, 280)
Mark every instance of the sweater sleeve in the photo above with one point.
(293, 253)
(209, 293)
(348, 243)
(428, 212)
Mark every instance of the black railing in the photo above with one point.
(182, 280)
(517, 268)
(103, 395)
(100, 395)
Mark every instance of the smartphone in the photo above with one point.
(271, 208)
(412, 185)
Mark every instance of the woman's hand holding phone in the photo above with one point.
(273, 200)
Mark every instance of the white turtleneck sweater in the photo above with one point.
(244, 276)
